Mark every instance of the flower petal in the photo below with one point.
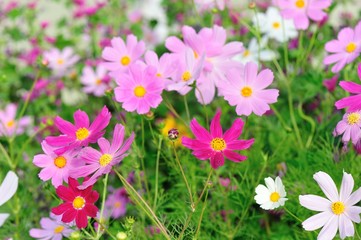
(315, 203)
(216, 128)
(346, 186)
(8, 187)
(316, 221)
(327, 185)
(234, 131)
(329, 230)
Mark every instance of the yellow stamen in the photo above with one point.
(78, 202)
(246, 53)
(276, 25)
(117, 204)
(125, 61)
(82, 133)
(186, 76)
(60, 161)
(139, 91)
(98, 81)
(59, 229)
(105, 159)
(338, 208)
(274, 197)
(353, 118)
(60, 61)
(195, 54)
(300, 3)
(10, 124)
(351, 47)
(218, 144)
(246, 91)
(159, 75)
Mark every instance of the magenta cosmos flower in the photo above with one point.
(102, 162)
(121, 55)
(78, 204)
(301, 10)
(246, 90)
(9, 126)
(353, 102)
(345, 49)
(215, 145)
(51, 229)
(337, 211)
(54, 166)
(80, 134)
(350, 127)
(139, 90)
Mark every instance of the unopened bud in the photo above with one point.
(75, 235)
(149, 115)
(121, 236)
(45, 62)
(130, 220)
(173, 134)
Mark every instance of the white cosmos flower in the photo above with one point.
(7, 190)
(336, 212)
(272, 196)
(274, 26)
(250, 54)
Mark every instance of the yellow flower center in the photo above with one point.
(246, 53)
(60, 161)
(125, 61)
(139, 91)
(10, 123)
(218, 144)
(276, 25)
(82, 133)
(60, 61)
(351, 47)
(246, 91)
(274, 197)
(353, 118)
(186, 76)
(78, 202)
(158, 74)
(300, 3)
(195, 54)
(105, 159)
(58, 229)
(98, 81)
(338, 208)
(117, 204)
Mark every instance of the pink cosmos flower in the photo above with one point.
(80, 134)
(120, 56)
(116, 203)
(9, 125)
(95, 82)
(350, 127)
(345, 49)
(215, 145)
(60, 61)
(246, 90)
(51, 229)
(55, 167)
(78, 204)
(301, 10)
(165, 65)
(139, 90)
(353, 102)
(102, 162)
(336, 212)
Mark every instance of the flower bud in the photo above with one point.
(121, 236)
(173, 134)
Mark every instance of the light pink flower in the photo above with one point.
(350, 127)
(56, 167)
(95, 82)
(336, 212)
(345, 49)
(165, 65)
(116, 203)
(51, 229)
(301, 10)
(121, 55)
(102, 162)
(246, 90)
(215, 145)
(60, 61)
(9, 125)
(139, 90)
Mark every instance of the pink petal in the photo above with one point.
(104, 145)
(81, 219)
(250, 72)
(217, 160)
(62, 208)
(264, 79)
(240, 144)
(81, 119)
(64, 127)
(350, 87)
(234, 131)
(90, 210)
(69, 215)
(200, 132)
(216, 128)
(233, 156)
(65, 193)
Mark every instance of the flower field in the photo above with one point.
(180, 119)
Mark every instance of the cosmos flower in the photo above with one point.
(116, 203)
(350, 127)
(102, 162)
(80, 134)
(246, 90)
(60, 61)
(9, 125)
(7, 190)
(337, 212)
(78, 204)
(51, 229)
(95, 82)
(256, 52)
(216, 145)
(272, 195)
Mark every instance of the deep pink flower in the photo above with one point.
(345, 49)
(139, 90)
(78, 204)
(121, 55)
(102, 162)
(80, 134)
(350, 127)
(51, 229)
(331, 83)
(215, 145)
(301, 10)
(246, 90)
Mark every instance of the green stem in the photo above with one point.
(142, 158)
(186, 107)
(157, 173)
(7, 157)
(310, 121)
(201, 217)
(280, 118)
(294, 216)
(105, 181)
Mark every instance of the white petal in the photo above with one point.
(267, 205)
(8, 187)
(316, 221)
(3, 217)
(345, 226)
(327, 185)
(354, 198)
(329, 230)
(346, 186)
(280, 188)
(353, 213)
(315, 203)
(270, 183)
